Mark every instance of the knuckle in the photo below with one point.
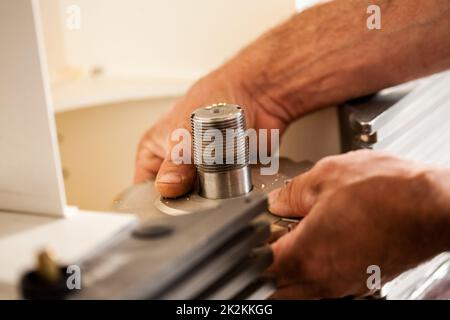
(366, 154)
(327, 165)
(316, 188)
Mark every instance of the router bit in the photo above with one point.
(230, 176)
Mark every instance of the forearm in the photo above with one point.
(327, 55)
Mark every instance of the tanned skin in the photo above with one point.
(394, 216)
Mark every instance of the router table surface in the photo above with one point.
(23, 235)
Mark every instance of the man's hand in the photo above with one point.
(363, 208)
(224, 85)
(319, 57)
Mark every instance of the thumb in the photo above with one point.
(292, 200)
(176, 178)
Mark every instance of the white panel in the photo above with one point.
(30, 177)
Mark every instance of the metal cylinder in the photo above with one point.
(221, 153)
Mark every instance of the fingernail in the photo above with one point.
(273, 196)
(170, 177)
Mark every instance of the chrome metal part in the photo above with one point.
(145, 201)
(221, 153)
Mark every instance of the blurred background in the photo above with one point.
(116, 66)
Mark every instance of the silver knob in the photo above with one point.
(221, 153)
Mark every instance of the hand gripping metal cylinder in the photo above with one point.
(221, 151)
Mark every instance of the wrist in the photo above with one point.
(251, 75)
(439, 181)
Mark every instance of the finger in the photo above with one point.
(302, 291)
(295, 276)
(150, 146)
(149, 157)
(174, 180)
(146, 168)
(287, 261)
(294, 199)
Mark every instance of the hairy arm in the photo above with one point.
(322, 56)
(327, 54)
